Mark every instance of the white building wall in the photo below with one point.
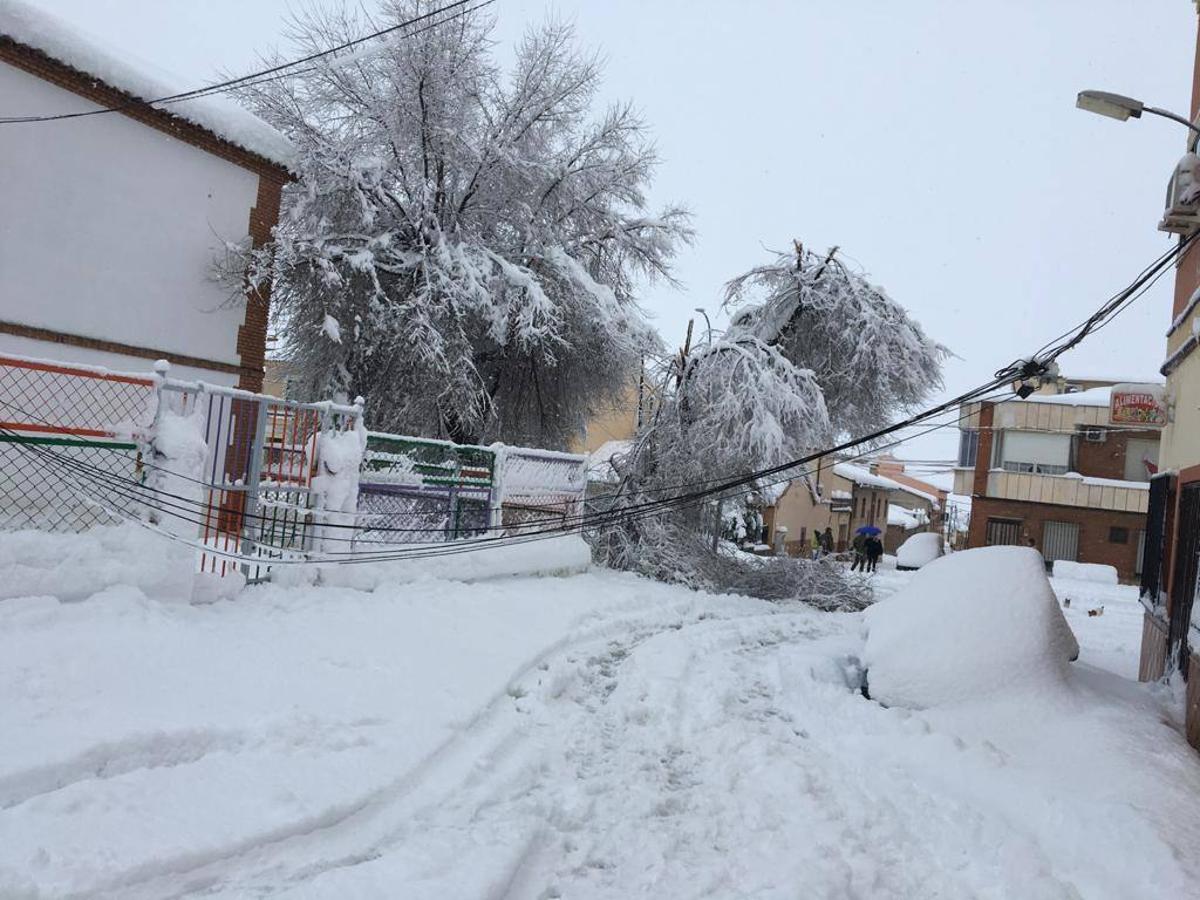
(109, 229)
(1180, 446)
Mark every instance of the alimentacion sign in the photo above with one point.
(1141, 405)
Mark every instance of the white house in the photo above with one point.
(111, 224)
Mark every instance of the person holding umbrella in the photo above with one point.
(860, 546)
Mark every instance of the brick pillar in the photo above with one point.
(983, 458)
(252, 335)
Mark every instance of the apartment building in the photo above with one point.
(1171, 626)
(1067, 470)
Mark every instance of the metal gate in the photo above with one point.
(1002, 532)
(415, 490)
(1060, 540)
(1183, 581)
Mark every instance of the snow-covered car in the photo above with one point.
(919, 550)
(969, 625)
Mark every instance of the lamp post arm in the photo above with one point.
(1174, 117)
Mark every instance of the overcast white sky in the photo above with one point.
(935, 141)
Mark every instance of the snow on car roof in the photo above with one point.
(219, 115)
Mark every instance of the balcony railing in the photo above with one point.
(1063, 490)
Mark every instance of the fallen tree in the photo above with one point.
(814, 353)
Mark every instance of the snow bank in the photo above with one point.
(919, 550)
(71, 567)
(969, 625)
(1077, 571)
(565, 555)
(219, 114)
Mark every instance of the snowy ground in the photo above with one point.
(595, 735)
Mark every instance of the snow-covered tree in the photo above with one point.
(463, 247)
(813, 352)
(871, 359)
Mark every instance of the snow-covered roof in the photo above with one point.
(1100, 396)
(65, 43)
(905, 518)
(1143, 378)
(865, 477)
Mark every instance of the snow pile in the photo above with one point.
(178, 455)
(969, 625)
(919, 550)
(335, 490)
(907, 519)
(546, 557)
(61, 41)
(1077, 571)
(70, 567)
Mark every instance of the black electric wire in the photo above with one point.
(280, 70)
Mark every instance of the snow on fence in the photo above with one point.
(251, 477)
(242, 474)
(275, 478)
(417, 490)
(79, 418)
(540, 488)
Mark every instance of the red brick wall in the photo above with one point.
(983, 458)
(1094, 525)
(1106, 459)
(252, 335)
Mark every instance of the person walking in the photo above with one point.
(816, 544)
(827, 542)
(874, 550)
(859, 546)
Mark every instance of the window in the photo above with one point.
(1034, 468)
(1141, 459)
(1118, 535)
(1035, 452)
(1002, 532)
(968, 449)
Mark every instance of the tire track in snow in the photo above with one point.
(267, 862)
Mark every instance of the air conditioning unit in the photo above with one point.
(1182, 213)
(1095, 435)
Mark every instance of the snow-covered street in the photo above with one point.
(595, 735)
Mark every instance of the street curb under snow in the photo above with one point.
(551, 557)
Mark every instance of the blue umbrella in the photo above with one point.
(868, 529)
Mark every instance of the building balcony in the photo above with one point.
(1063, 490)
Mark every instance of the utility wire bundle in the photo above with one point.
(88, 477)
(401, 30)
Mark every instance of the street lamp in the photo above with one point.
(700, 309)
(1116, 106)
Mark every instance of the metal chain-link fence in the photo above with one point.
(58, 424)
